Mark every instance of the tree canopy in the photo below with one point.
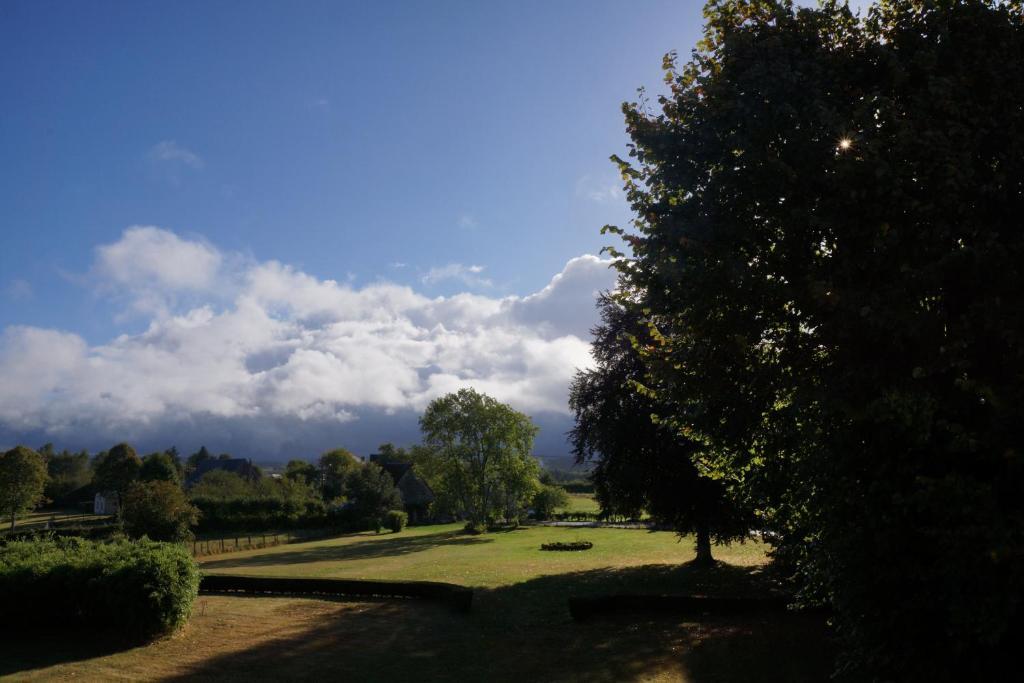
(639, 463)
(159, 467)
(22, 480)
(826, 248)
(118, 468)
(336, 466)
(482, 448)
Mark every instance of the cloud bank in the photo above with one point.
(267, 360)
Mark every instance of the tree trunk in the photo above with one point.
(12, 520)
(704, 557)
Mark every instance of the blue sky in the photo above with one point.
(274, 228)
(338, 137)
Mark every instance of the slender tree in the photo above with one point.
(118, 469)
(22, 480)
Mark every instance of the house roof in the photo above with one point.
(414, 490)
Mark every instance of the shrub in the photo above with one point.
(474, 528)
(574, 545)
(395, 520)
(548, 499)
(140, 588)
(158, 509)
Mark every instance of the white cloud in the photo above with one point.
(289, 348)
(468, 222)
(152, 268)
(467, 275)
(171, 151)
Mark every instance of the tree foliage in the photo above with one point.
(302, 471)
(639, 463)
(336, 466)
(117, 469)
(158, 509)
(67, 472)
(22, 481)
(482, 449)
(159, 467)
(827, 250)
(372, 493)
(548, 499)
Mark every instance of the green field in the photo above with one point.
(518, 630)
(582, 502)
(443, 553)
(38, 519)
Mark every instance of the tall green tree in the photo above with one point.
(827, 249)
(193, 461)
(67, 472)
(336, 466)
(302, 471)
(158, 509)
(476, 440)
(117, 470)
(639, 463)
(22, 480)
(159, 467)
(372, 492)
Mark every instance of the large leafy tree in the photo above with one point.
(67, 473)
(159, 467)
(640, 463)
(302, 471)
(117, 470)
(158, 509)
(336, 466)
(478, 443)
(827, 247)
(372, 492)
(22, 479)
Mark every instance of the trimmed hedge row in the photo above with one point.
(256, 514)
(585, 608)
(459, 597)
(567, 546)
(141, 588)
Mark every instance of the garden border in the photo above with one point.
(459, 597)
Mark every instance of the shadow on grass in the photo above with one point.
(521, 632)
(34, 648)
(373, 547)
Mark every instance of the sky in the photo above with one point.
(274, 228)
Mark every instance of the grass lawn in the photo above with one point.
(582, 502)
(37, 519)
(519, 628)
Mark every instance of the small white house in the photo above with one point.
(104, 503)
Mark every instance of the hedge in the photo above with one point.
(256, 514)
(459, 597)
(141, 588)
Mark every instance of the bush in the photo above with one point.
(574, 545)
(159, 510)
(474, 528)
(139, 588)
(548, 499)
(395, 520)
